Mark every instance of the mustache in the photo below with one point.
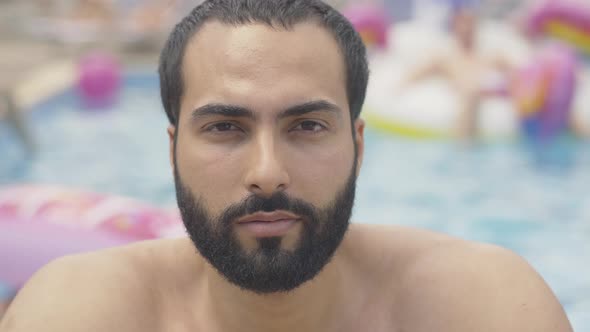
(278, 201)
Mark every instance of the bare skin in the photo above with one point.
(382, 278)
(465, 69)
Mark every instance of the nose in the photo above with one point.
(266, 173)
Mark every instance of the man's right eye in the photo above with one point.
(222, 127)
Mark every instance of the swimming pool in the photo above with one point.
(535, 204)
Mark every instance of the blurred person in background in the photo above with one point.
(144, 24)
(131, 23)
(94, 10)
(471, 74)
(263, 99)
(475, 76)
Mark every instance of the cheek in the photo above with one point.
(319, 172)
(209, 171)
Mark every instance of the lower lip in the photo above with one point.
(268, 228)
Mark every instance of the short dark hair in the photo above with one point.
(283, 13)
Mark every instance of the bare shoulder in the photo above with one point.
(382, 253)
(109, 290)
(396, 246)
(456, 285)
(442, 283)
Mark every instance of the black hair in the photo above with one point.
(275, 13)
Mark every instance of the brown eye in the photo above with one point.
(309, 125)
(222, 127)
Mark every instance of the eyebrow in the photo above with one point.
(235, 111)
(223, 110)
(308, 107)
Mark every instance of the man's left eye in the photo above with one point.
(222, 127)
(309, 125)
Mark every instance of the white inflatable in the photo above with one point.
(429, 108)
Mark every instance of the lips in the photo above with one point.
(268, 217)
(268, 224)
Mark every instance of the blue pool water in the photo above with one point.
(535, 204)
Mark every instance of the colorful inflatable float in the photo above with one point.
(536, 101)
(372, 24)
(544, 93)
(41, 223)
(568, 20)
(429, 109)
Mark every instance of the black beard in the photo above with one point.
(269, 268)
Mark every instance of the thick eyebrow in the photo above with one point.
(311, 106)
(235, 111)
(223, 110)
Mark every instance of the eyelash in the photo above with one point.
(214, 128)
(312, 122)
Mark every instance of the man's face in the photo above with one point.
(265, 161)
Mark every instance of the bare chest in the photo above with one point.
(374, 317)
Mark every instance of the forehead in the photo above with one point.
(259, 66)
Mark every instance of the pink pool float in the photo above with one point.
(568, 20)
(371, 23)
(41, 223)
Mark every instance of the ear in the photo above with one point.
(359, 130)
(171, 131)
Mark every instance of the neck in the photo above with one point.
(314, 306)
